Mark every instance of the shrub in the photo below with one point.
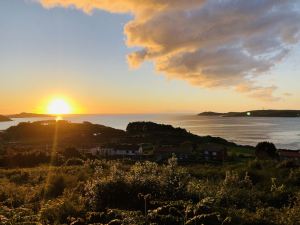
(115, 222)
(278, 196)
(287, 164)
(96, 217)
(207, 219)
(265, 150)
(260, 216)
(58, 211)
(255, 164)
(20, 178)
(55, 186)
(164, 219)
(294, 178)
(121, 189)
(74, 162)
(291, 214)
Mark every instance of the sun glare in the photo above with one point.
(59, 107)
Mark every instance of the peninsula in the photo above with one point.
(256, 113)
(210, 114)
(4, 118)
(29, 115)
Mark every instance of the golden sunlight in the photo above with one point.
(59, 106)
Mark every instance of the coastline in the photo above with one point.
(284, 132)
(257, 113)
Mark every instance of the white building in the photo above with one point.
(117, 150)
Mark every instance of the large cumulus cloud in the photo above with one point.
(209, 43)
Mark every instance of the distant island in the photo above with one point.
(256, 113)
(210, 114)
(29, 115)
(4, 118)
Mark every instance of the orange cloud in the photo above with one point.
(137, 7)
(261, 93)
(207, 43)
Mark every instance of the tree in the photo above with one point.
(266, 150)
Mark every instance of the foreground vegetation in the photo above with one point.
(126, 192)
(45, 181)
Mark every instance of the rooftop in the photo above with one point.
(289, 153)
(123, 147)
(212, 147)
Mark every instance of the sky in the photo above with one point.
(152, 56)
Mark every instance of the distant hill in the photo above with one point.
(210, 114)
(4, 119)
(149, 132)
(29, 115)
(66, 132)
(86, 133)
(256, 113)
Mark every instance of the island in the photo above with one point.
(210, 114)
(4, 118)
(256, 113)
(29, 115)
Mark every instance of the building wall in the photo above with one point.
(214, 155)
(115, 152)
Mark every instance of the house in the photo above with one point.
(213, 152)
(182, 152)
(289, 154)
(93, 151)
(117, 150)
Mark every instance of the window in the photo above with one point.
(206, 152)
(214, 153)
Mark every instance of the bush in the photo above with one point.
(121, 189)
(165, 219)
(266, 150)
(20, 178)
(60, 210)
(294, 178)
(74, 162)
(55, 186)
(207, 219)
(287, 164)
(255, 164)
(261, 216)
(96, 217)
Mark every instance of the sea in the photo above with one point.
(283, 132)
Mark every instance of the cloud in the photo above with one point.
(258, 92)
(145, 8)
(208, 43)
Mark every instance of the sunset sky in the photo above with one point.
(151, 56)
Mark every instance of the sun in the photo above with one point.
(59, 106)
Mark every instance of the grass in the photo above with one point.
(107, 192)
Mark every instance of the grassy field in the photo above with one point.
(124, 192)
